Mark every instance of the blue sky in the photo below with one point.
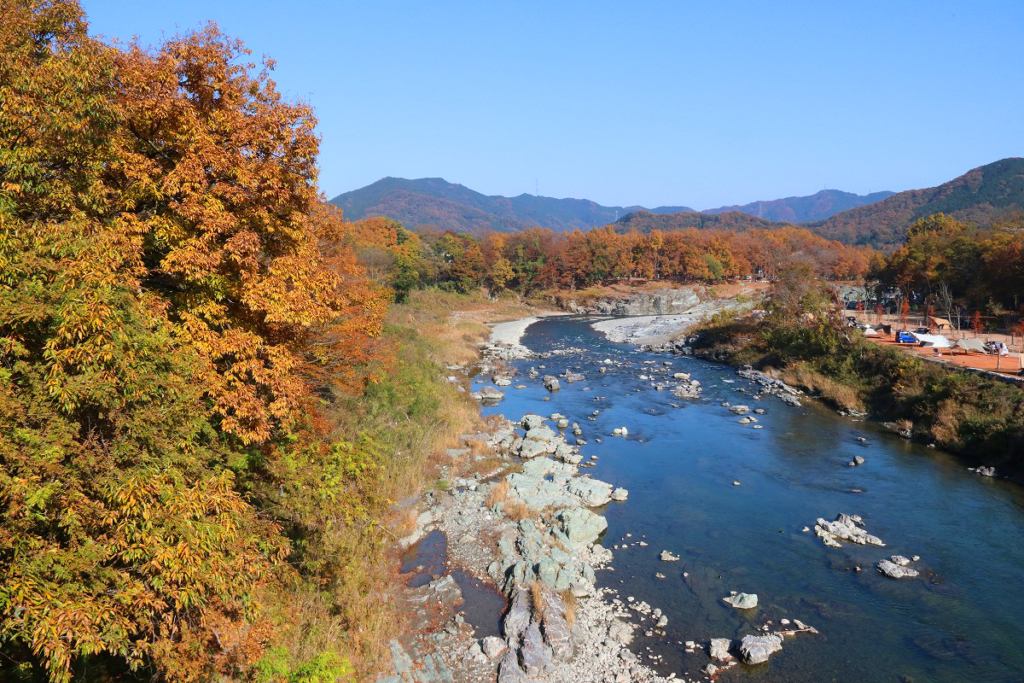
(650, 103)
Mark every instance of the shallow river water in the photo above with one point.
(959, 621)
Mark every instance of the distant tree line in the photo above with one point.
(539, 259)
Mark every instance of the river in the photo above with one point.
(958, 621)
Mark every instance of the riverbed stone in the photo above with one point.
(757, 649)
(535, 653)
(896, 568)
(844, 528)
(581, 526)
(719, 649)
(532, 421)
(742, 600)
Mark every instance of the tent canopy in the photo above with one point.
(870, 332)
(941, 322)
(933, 340)
(971, 345)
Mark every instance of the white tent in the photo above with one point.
(870, 332)
(971, 345)
(933, 340)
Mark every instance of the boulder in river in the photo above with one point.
(666, 556)
(844, 528)
(580, 526)
(488, 394)
(720, 649)
(757, 649)
(550, 383)
(742, 600)
(897, 568)
(532, 421)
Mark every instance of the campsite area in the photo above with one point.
(972, 357)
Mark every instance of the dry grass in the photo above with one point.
(493, 423)
(948, 417)
(838, 394)
(403, 522)
(569, 605)
(537, 599)
(484, 465)
(517, 510)
(477, 447)
(498, 493)
(455, 323)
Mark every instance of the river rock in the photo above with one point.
(550, 383)
(488, 394)
(571, 377)
(620, 632)
(757, 649)
(492, 646)
(742, 600)
(591, 492)
(538, 441)
(844, 528)
(666, 556)
(720, 649)
(532, 421)
(581, 527)
(620, 494)
(535, 653)
(986, 471)
(502, 381)
(739, 409)
(896, 568)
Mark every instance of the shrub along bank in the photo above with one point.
(802, 341)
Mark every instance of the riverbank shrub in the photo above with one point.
(977, 417)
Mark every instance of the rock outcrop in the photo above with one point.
(845, 528)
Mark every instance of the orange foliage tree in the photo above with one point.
(171, 291)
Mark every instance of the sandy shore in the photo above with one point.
(510, 333)
(660, 329)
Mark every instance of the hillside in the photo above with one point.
(645, 221)
(979, 196)
(816, 207)
(879, 219)
(436, 202)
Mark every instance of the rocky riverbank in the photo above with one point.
(529, 522)
(664, 331)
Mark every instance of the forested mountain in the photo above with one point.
(816, 207)
(879, 219)
(979, 196)
(434, 202)
(645, 221)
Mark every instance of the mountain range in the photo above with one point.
(879, 219)
(435, 202)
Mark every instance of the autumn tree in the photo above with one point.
(468, 269)
(171, 292)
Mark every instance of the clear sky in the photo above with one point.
(652, 103)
